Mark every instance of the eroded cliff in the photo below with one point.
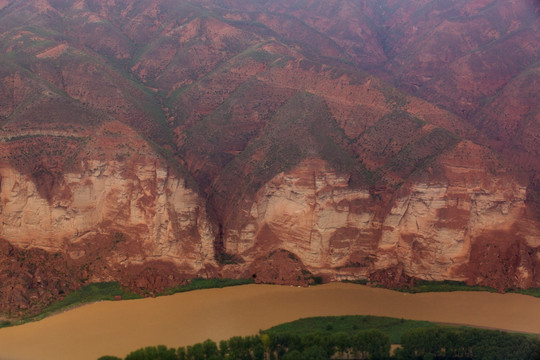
(119, 210)
(433, 229)
(150, 142)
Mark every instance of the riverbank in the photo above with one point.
(114, 291)
(109, 291)
(117, 328)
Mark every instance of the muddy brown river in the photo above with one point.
(116, 328)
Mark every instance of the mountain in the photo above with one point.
(150, 142)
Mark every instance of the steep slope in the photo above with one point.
(149, 142)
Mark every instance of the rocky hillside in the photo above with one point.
(149, 142)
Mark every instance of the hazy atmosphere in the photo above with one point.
(147, 143)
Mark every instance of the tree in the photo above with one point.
(195, 352)
(377, 344)
(342, 342)
(293, 355)
(181, 353)
(160, 352)
(209, 348)
(239, 348)
(258, 352)
(314, 353)
(223, 348)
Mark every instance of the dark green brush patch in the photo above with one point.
(419, 154)
(394, 98)
(531, 292)
(390, 134)
(350, 324)
(86, 294)
(226, 259)
(421, 286)
(109, 291)
(5, 323)
(262, 56)
(200, 283)
(300, 129)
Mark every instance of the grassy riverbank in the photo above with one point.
(421, 286)
(199, 284)
(109, 291)
(87, 294)
(424, 286)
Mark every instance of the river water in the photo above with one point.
(116, 328)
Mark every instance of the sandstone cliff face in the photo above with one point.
(311, 212)
(142, 200)
(431, 229)
(119, 209)
(149, 142)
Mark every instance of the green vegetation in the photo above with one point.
(466, 343)
(111, 290)
(89, 293)
(419, 154)
(301, 128)
(5, 323)
(421, 286)
(199, 284)
(531, 292)
(226, 258)
(86, 294)
(366, 344)
(355, 337)
(350, 324)
(394, 98)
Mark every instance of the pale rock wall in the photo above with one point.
(427, 228)
(152, 208)
(430, 230)
(307, 211)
